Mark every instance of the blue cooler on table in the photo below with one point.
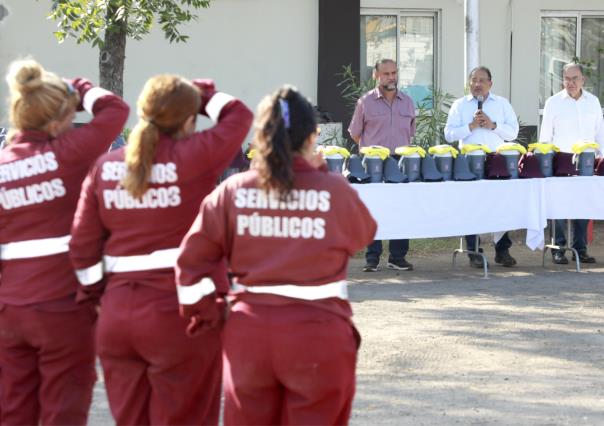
(335, 163)
(443, 157)
(411, 166)
(585, 157)
(511, 152)
(585, 163)
(476, 162)
(476, 155)
(511, 162)
(410, 161)
(334, 157)
(373, 162)
(544, 152)
(374, 166)
(546, 163)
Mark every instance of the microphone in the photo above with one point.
(480, 101)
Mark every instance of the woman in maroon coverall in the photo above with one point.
(136, 205)
(46, 339)
(287, 228)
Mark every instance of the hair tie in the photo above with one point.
(69, 87)
(284, 112)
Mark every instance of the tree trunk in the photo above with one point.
(112, 57)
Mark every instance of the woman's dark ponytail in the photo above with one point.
(284, 122)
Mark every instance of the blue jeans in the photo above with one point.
(398, 251)
(501, 246)
(579, 234)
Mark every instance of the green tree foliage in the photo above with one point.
(108, 23)
(352, 87)
(432, 112)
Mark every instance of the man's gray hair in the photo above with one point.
(481, 68)
(384, 61)
(572, 65)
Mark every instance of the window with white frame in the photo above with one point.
(568, 36)
(410, 38)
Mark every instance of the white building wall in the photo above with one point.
(249, 47)
(509, 44)
(525, 56)
(450, 53)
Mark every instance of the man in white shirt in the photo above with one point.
(487, 119)
(569, 116)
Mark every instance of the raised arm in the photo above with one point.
(456, 129)
(216, 147)
(86, 143)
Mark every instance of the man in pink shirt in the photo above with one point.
(384, 116)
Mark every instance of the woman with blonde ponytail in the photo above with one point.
(287, 228)
(136, 205)
(46, 339)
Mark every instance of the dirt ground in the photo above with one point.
(443, 346)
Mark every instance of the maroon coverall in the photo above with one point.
(46, 339)
(125, 249)
(289, 342)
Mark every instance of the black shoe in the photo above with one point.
(504, 259)
(476, 261)
(585, 258)
(559, 258)
(400, 265)
(370, 267)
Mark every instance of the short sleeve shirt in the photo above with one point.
(377, 122)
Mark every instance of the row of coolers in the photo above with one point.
(413, 164)
(444, 162)
(545, 160)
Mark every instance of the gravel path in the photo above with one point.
(442, 346)
(446, 347)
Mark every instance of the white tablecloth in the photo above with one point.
(445, 209)
(576, 197)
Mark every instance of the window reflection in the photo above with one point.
(559, 46)
(558, 41)
(411, 44)
(592, 54)
(378, 41)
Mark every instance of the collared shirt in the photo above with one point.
(377, 122)
(499, 111)
(566, 120)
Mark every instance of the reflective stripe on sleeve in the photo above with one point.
(90, 275)
(34, 248)
(156, 260)
(216, 103)
(91, 97)
(337, 289)
(191, 294)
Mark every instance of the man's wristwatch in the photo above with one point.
(494, 125)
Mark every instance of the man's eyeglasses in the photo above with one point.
(574, 79)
